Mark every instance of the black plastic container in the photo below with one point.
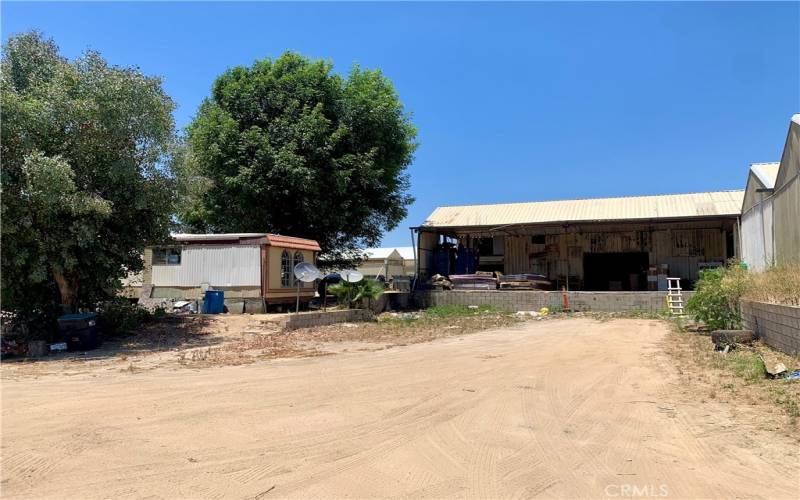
(79, 331)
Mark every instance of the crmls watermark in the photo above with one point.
(636, 490)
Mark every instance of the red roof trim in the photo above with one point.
(278, 240)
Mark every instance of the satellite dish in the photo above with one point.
(351, 275)
(306, 272)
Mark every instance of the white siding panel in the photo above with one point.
(220, 266)
(757, 236)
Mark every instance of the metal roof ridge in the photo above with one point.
(593, 199)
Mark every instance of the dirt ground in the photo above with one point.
(565, 408)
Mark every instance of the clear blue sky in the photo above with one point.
(514, 101)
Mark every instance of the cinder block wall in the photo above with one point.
(527, 300)
(775, 324)
(322, 318)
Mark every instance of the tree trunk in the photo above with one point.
(68, 288)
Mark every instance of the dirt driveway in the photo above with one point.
(566, 408)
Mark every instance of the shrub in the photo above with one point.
(116, 317)
(29, 325)
(355, 294)
(717, 295)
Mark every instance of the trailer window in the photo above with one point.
(167, 256)
(286, 269)
(288, 261)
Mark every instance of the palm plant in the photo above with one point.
(355, 294)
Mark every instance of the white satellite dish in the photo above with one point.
(306, 272)
(351, 275)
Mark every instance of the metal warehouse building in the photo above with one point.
(591, 244)
(757, 229)
(770, 229)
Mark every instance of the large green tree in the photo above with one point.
(86, 149)
(289, 146)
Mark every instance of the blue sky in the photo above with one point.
(513, 101)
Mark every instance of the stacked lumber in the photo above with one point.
(524, 282)
(479, 281)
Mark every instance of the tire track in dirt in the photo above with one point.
(481, 415)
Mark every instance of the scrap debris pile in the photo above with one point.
(728, 340)
(484, 280)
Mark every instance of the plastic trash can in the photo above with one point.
(79, 331)
(214, 302)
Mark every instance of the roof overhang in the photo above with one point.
(276, 240)
(571, 223)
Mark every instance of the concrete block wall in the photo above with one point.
(527, 300)
(777, 325)
(322, 318)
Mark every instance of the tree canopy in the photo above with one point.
(86, 181)
(288, 146)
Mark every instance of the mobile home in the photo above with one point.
(254, 269)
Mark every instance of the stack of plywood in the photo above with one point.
(524, 282)
(479, 281)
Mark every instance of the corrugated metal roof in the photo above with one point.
(406, 252)
(381, 253)
(276, 240)
(766, 173)
(217, 236)
(384, 252)
(670, 206)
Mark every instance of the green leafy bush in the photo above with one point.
(717, 295)
(117, 317)
(355, 294)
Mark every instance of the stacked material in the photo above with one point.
(525, 282)
(439, 282)
(484, 281)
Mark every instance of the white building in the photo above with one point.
(388, 262)
(757, 229)
(770, 232)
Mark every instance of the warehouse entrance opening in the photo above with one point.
(615, 271)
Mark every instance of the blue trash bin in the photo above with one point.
(214, 302)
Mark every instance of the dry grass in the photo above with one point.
(739, 375)
(390, 329)
(412, 328)
(777, 285)
(248, 350)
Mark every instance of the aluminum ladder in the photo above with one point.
(674, 296)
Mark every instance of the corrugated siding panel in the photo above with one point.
(787, 223)
(220, 266)
(628, 208)
(757, 248)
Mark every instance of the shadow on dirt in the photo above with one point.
(169, 333)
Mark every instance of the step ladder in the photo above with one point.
(674, 296)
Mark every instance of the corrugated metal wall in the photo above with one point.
(757, 248)
(220, 266)
(786, 206)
